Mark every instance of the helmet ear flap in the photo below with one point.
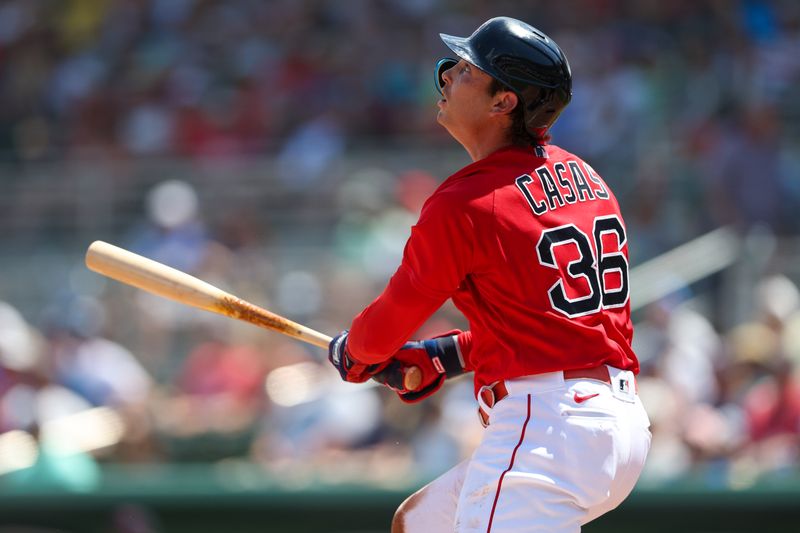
(446, 63)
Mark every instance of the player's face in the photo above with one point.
(466, 103)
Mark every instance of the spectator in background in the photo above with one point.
(101, 371)
(211, 410)
(746, 186)
(21, 366)
(772, 409)
(173, 234)
(678, 349)
(37, 448)
(772, 403)
(309, 152)
(379, 210)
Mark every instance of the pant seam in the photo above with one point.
(510, 466)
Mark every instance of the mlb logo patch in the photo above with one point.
(624, 385)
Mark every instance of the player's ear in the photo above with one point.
(504, 102)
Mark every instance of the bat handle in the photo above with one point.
(412, 378)
(402, 380)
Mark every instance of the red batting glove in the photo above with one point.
(437, 359)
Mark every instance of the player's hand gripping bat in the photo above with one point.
(152, 276)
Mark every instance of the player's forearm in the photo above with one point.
(387, 323)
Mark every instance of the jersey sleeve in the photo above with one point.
(437, 258)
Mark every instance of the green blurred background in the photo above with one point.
(281, 150)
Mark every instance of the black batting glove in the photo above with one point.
(350, 369)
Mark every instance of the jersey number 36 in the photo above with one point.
(594, 269)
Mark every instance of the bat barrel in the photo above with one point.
(242, 310)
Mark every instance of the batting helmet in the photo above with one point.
(521, 58)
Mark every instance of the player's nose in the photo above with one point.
(447, 76)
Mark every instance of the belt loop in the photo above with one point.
(483, 417)
(486, 389)
(483, 405)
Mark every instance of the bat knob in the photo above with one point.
(412, 378)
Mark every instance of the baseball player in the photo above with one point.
(529, 242)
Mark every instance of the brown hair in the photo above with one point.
(520, 136)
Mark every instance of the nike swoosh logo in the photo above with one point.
(580, 399)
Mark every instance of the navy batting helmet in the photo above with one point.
(521, 58)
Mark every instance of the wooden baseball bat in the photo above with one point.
(152, 276)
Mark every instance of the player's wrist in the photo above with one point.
(445, 355)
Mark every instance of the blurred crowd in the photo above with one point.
(689, 101)
(724, 406)
(687, 108)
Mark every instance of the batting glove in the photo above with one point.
(438, 359)
(350, 369)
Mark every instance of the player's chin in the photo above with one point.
(443, 121)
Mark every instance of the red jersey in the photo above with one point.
(533, 250)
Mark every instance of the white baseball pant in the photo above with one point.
(557, 454)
